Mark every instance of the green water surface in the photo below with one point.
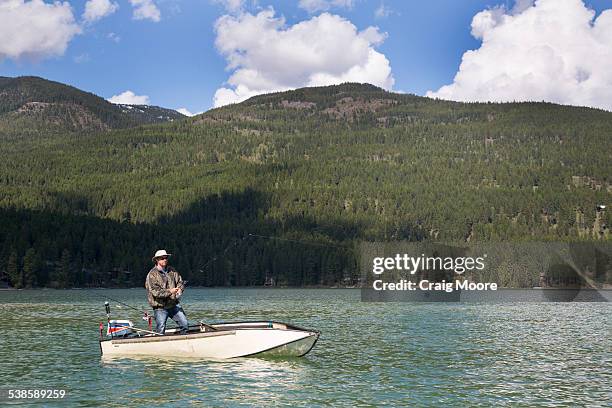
(395, 354)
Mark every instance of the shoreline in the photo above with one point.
(279, 287)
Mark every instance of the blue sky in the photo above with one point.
(175, 57)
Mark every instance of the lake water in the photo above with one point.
(408, 354)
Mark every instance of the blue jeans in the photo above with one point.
(175, 313)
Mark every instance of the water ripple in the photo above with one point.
(369, 354)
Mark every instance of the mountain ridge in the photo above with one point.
(42, 104)
(356, 89)
(348, 102)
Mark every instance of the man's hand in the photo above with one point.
(174, 291)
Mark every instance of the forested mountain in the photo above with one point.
(35, 105)
(316, 171)
(146, 114)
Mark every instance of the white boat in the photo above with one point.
(215, 341)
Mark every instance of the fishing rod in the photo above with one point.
(121, 303)
(145, 331)
(233, 243)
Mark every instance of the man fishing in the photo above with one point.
(164, 288)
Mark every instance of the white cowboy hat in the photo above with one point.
(159, 254)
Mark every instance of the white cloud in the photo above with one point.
(113, 37)
(129, 98)
(551, 50)
(382, 11)
(145, 10)
(232, 6)
(35, 29)
(312, 6)
(82, 58)
(97, 9)
(186, 112)
(265, 55)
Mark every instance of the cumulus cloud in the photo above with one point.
(97, 9)
(186, 112)
(313, 6)
(129, 98)
(551, 50)
(145, 10)
(265, 55)
(35, 29)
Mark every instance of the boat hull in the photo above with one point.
(230, 340)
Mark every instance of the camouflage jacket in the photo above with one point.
(158, 286)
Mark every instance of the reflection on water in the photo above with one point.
(197, 379)
(547, 354)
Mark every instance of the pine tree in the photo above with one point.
(31, 268)
(63, 270)
(12, 269)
